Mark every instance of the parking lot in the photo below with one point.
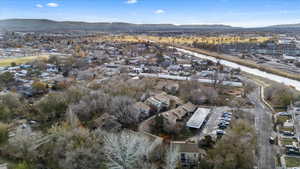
(211, 125)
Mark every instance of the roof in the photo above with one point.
(178, 113)
(189, 107)
(198, 118)
(184, 147)
(163, 97)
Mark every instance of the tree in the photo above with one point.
(51, 108)
(3, 133)
(279, 95)
(22, 145)
(128, 150)
(6, 79)
(23, 165)
(10, 106)
(158, 125)
(82, 158)
(39, 87)
(239, 153)
(91, 105)
(123, 109)
(13, 64)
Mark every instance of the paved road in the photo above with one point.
(264, 130)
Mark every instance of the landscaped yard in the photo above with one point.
(290, 129)
(20, 60)
(282, 119)
(287, 141)
(292, 162)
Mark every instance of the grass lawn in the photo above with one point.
(292, 162)
(21, 60)
(286, 129)
(282, 119)
(287, 141)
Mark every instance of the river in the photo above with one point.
(253, 71)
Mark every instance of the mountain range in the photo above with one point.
(50, 25)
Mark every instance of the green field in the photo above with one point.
(21, 60)
(292, 162)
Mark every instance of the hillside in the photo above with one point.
(49, 25)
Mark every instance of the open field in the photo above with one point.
(21, 60)
(207, 40)
(184, 40)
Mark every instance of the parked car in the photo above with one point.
(228, 113)
(288, 133)
(283, 114)
(221, 132)
(223, 122)
(222, 127)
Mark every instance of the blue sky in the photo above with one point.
(247, 13)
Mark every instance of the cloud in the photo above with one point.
(132, 1)
(53, 5)
(159, 11)
(39, 6)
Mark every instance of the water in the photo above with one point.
(253, 71)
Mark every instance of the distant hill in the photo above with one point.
(49, 25)
(286, 26)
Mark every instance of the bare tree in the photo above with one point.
(172, 157)
(127, 150)
(122, 108)
(93, 104)
(24, 142)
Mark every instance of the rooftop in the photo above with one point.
(198, 118)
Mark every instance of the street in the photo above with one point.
(264, 129)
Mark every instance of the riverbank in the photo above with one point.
(247, 63)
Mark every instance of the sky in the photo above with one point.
(245, 13)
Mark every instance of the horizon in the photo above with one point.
(214, 12)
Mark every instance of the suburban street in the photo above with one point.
(264, 130)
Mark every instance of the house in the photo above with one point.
(143, 109)
(189, 154)
(158, 102)
(172, 117)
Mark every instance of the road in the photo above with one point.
(264, 130)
